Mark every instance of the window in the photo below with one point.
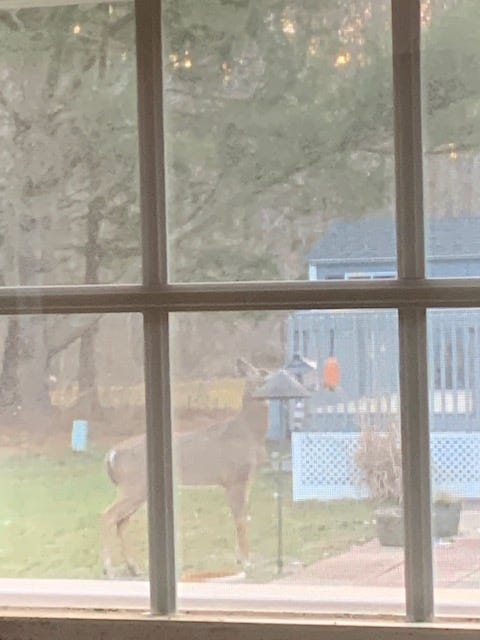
(364, 275)
(233, 71)
(380, 275)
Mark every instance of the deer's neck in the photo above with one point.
(254, 418)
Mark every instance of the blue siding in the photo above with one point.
(366, 342)
(447, 267)
(453, 268)
(366, 348)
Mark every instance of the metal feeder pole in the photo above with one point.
(283, 387)
(278, 495)
(279, 517)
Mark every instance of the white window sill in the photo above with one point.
(230, 598)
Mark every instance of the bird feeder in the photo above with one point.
(299, 366)
(283, 387)
(331, 370)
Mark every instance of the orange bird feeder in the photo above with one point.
(331, 370)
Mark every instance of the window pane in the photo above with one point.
(278, 139)
(71, 391)
(299, 483)
(69, 210)
(454, 400)
(451, 93)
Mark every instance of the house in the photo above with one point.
(365, 346)
(365, 248)
(365, 342)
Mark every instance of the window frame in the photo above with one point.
(411, 294)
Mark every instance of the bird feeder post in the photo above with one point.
(283, 387)
(277, 460)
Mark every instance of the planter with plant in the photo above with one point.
(446, 515)
(379, 463)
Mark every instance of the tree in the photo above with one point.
(281, 118)
(451, 101)
(67, 127)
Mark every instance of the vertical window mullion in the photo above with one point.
(156, 327)
(416, 464)
(412, 322)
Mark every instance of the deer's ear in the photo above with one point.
(242, 367)
(246, 369)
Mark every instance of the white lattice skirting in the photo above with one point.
(323, 465)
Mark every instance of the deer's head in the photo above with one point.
(253, 377)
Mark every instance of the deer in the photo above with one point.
(226, 454)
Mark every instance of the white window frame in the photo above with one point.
(411, 294)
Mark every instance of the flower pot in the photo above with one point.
(446, 517)
(390, 533)
(390, 527)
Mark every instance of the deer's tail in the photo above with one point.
(110, 463)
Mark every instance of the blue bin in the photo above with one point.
(79, 435)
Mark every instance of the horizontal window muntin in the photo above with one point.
(264, 295)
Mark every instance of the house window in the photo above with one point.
(256, 123)
(363, 275)
(370, 275)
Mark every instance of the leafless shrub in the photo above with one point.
(379, 463)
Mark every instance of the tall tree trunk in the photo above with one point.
(9, 395)
(88, 399)
(35, 408)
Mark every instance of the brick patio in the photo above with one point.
(456, 562)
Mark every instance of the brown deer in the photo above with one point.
(225, 454)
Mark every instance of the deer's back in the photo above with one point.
(218, 455)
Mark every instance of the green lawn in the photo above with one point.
(51, 505)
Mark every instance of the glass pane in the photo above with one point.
(72, 443)
(288, 469)
(451, 94)
(69, 211)
(279, 139)
(454, 400)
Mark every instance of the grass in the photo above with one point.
(50, 514)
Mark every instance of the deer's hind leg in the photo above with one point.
(237, 496)
(114, 522)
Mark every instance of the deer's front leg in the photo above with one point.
(115, 519)
(237, 496)
(108, 527)
(131, 564)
